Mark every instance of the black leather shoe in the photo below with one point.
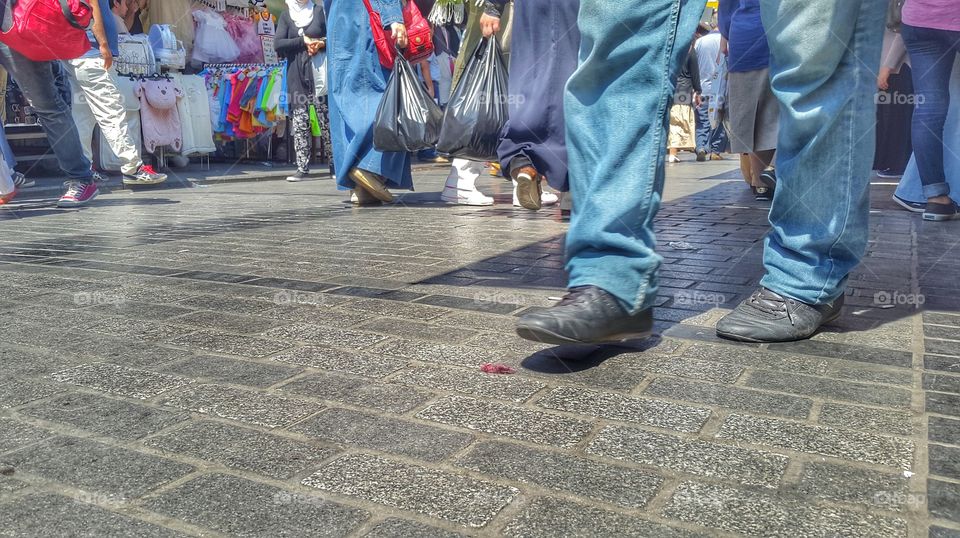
(587, 315)
(770, 317)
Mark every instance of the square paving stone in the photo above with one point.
(128, 352)
(473, 382)
(944, 461)
(234, 371)
(819, 387)
(823, 440)
(96, 468)
(944, 404)
(755, 514)
(433, 492)
(562, 472)
(378, 432)
(732, 397)
(245, 406)
(627, 408)
(693, 456)
(338, 360)
(225, 322)
(689, 368)
(31, 516)
(401, 528)
(841, 483)
(873, 355)
(25, 362)
(507, 420)
(359, 391)
(553, 518)
(242, 448)
(943, 499)
(114, 379)
(114, 418)
(244, 508)
(943, 430)
(866, 419)
(19, 434)
(230, 344)
(19, 392)
(326, 336)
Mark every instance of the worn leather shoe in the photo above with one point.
(768, 316)
(372, 183)
(587, 315)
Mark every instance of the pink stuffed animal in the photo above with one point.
(158, 114)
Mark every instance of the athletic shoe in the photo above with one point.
(453, 195)
(716, 157)
(701, 155)
(914, 207)
(145, 175)
(5, 198)
(360, 197)
(889, 174)
(940, 212)
(673, 159)
(20, 181)
(78, 193)
(98, 177)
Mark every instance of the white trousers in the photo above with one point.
(97, 101)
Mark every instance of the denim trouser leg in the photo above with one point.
(932, 53)
(616, 107)
(7, 151)
(36, 81)
(703, 126)
(824, 57)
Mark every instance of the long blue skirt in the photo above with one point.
(543, 55)
(356, 84)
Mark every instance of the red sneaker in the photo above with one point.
(5, 198)
(78, 194)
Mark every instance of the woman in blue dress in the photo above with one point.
(356, 84)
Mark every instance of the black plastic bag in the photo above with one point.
(408, 119)
(477, 109)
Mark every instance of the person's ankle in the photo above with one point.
(940, 200)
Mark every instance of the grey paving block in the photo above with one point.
(25, 362)
(19, 392)
(944, 461)
(242, 448)
(470, 381)
(230, 344)
(226, 322)
(627, 408)
(140, 310)
(9, 485)
(439, 353)
(942, 318)
(550, 518)
(401, 528)
(96, 468)
(944, 430)
(338, 360)
(133, 353)
(936, 331)
(358, 391)
(941, 363)
(114, 379)
(684, 367)
(105, 416)
(440, 494)
(819, 387)
(31, 516)
(507, 420)
(692, 456)
(18, 434)
(944, 404)
(563, 472)
(943, 499)
(239, 507)
(731, 397)
(245, 406)
(326, 336)
(378, 432)
(823, 440)
(937, 531)
(842, 483)
(418, 330)
(942, 347)
(866, 419)
(942, 383)
(233, 371)
(755, 514)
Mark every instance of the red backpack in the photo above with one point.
(419, 36)
(49, 29)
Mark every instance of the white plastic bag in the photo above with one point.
(319, 61)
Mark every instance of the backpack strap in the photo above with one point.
(68, 14)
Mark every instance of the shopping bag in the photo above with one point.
(44, 30)
(319, 63)
(477, 109)
(408, 119)
(314, 122)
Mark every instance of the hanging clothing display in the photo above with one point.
(246, 100)
(159, 114)
(213, 44)
(194, 110)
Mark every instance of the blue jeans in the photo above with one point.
(37, 82)
(824, 56)
(617, 107)
(6, 150)
(709, 139)
(932, 53)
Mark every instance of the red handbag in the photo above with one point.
(419, 36)
(46, 30)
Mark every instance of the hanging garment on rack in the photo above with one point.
(194, 109)
(212, 42)
(109, 161)
(243, 30)
(245, 99)
(159, 114)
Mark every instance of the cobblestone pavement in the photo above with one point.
(260, 359)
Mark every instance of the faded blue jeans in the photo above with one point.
(709, 139)
(825, 55)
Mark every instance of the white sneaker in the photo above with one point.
(453, 195)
